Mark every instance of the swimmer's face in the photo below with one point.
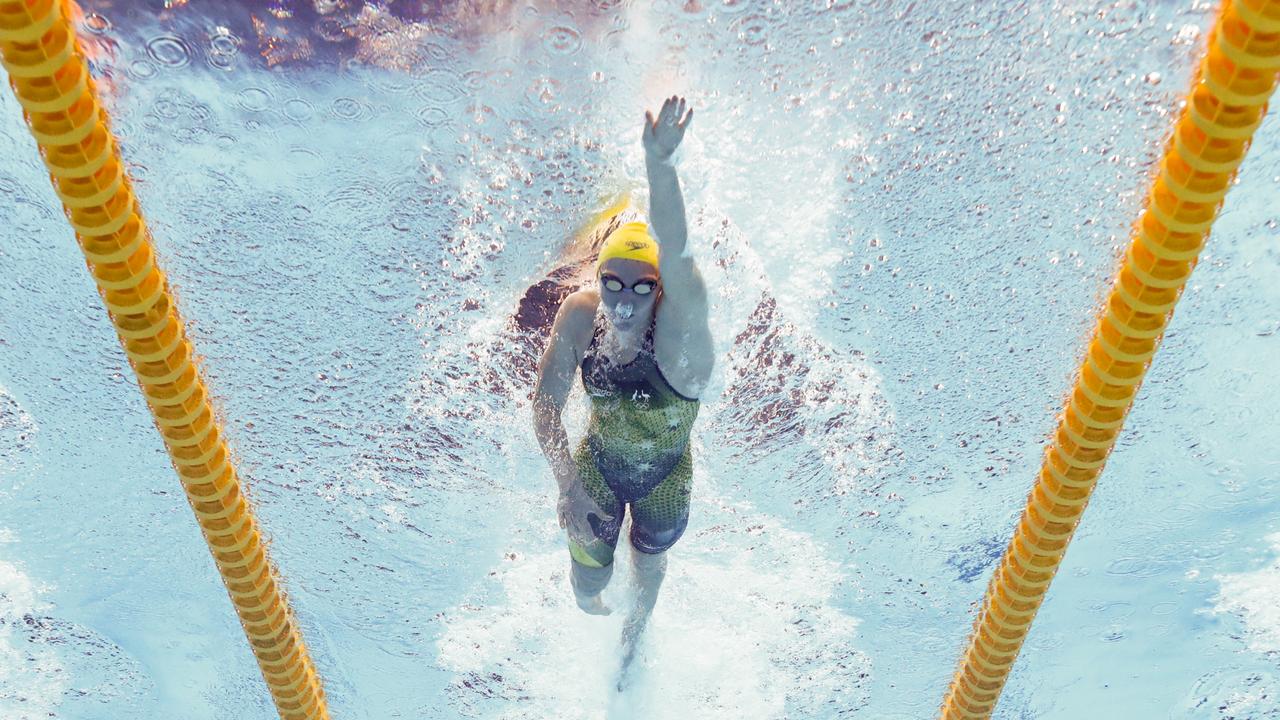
(622, 292)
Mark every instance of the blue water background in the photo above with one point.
(908, 214)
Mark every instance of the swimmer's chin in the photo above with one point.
(623, 324)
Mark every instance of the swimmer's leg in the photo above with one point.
(658, 521)
(648, 569)
(591, 559)
(588, 583)
(589, 577)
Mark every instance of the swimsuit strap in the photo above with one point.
(647, 345)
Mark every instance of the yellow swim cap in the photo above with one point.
(631, 241)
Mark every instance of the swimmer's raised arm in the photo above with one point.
(682, 316)
(661, 137)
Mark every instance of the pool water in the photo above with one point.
(907, 213)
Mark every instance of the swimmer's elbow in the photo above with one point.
(546, 406)
(544, 417)
(541, 402)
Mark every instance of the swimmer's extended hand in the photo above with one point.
(575, 508)
(661, 137)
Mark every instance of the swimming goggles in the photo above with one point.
(613, 283)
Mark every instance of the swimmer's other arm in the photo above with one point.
(556, 372)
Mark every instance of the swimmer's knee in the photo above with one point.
(588, 581)
(652, 542)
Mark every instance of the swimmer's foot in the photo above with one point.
(628, 656)
(625, 673)
(594, 605)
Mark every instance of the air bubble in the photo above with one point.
(432, 117)
(141, 70)
(169, 50)
(562, 40)
(441, 86)
(224, 44)
(255, 99)
(753, 29)
(346, 108)
(298, 110)
(97, 24)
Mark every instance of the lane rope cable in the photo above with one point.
(1227, 103)
(51, 81)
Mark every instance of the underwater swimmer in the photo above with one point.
(643, 346)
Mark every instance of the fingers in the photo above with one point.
(675, 111)
(581, 532)
(672, 109)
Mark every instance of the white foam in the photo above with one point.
(744, 627)
(32, 677)
(1252, 596)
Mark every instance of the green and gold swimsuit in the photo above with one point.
(636, 451)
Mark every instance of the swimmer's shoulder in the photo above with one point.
(576, 318)
(582, 302)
